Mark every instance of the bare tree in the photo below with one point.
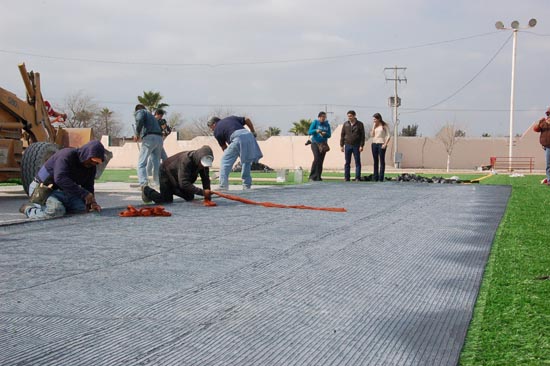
(175, 120)
(449, 138)
(81, 111)
(199, 125)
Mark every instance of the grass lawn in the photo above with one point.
(118, 175)
(511, 323)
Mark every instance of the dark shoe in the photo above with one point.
(144, 197)
(308, 142)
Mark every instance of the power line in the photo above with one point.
(469, 81)
(537, 34)
(243, 63)
(320, 105)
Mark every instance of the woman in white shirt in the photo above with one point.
(380, 134)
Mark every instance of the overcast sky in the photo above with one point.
(282, 60)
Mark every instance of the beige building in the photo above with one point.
(289, 152)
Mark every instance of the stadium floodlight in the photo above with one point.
(515, 28)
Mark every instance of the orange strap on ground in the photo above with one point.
(131, 211)
(278, 205)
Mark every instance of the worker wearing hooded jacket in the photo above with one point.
(178, 174)
(71, 172)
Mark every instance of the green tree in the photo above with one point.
(301, 127)
(460, 133)
(272, 131)
(410, 130)
(485, 134)
(152, 100)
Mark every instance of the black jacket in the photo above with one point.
(353, 135)
(182, 170)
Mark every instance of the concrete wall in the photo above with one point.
(418, 152)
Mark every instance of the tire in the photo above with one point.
(33, 158)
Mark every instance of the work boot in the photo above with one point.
(144, 197)
(25, 207)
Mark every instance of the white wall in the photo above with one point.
(290, 152)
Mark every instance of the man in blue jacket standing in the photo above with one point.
(149, 132)
(236, 142)
(70, 173)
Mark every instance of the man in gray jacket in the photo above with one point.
(148, 131)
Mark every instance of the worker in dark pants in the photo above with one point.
(178, 174)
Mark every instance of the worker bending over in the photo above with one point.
(178, 174)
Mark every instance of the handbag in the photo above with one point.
(323, 147)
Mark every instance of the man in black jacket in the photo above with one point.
(178, 174)
(352, 140)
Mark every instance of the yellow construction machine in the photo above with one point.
(27, 136)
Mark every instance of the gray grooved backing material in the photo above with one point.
(391, 282)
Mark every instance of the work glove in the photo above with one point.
(91, 204)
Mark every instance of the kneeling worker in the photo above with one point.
(178, 174)
(70, 173)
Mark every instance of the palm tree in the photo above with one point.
(301, 128)
(152, 100)
(272, 131)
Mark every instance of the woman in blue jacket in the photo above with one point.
(319, 130)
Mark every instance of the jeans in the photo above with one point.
(163, 157)
(151, 146)
(317, 165)
(167, 190)
(348, 151)
(57, 204)
(547, 151)
(229, 157)
(379, 168)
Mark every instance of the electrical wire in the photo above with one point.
(320, 105)
(468, 82)
(536, 34)
(213, 65)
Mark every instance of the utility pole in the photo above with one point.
(395, 102)
(326, 110)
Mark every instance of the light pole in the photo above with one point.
(514, 27)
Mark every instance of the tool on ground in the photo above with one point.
(131, 211)
(276, 205)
